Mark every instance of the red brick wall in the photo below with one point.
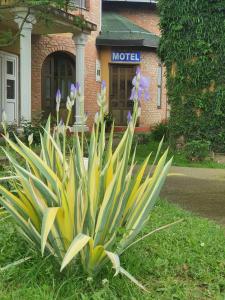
(42, 46)
(150, 113)
(147, 17)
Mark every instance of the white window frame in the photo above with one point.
(6, 104)
(79, 3)
(159, 85)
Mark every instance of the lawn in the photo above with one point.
(147, 144)
(186, 261)
(143, 149)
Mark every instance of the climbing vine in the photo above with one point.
(193, 49)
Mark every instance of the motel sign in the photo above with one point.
(126, 56)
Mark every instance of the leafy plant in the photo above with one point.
(195, 72)
(108, 118)
(33, 128)
(68, 207)
(197, 150)
(160, 130)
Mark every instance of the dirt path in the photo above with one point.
(201, 191)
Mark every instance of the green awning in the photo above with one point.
(120, 31)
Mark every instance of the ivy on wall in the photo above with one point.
(193, 49)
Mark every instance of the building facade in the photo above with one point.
(129, 38)
(117, 37)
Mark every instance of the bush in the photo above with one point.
(34, 129)
(28, 128)
(197, 150)
(108, 118)
(67, 206)
(160, 130)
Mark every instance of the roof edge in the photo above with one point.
(127, 43)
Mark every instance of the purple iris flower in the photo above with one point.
(140, 87)
(78, 86)
(73, 88)
(129, 117)
(103, 84)
(61, 123)
(73, 92)
(58, 96)
(138, 70)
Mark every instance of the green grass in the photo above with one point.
(179, 158)
(186, 261)
(143, 150)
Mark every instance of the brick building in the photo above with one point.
(45, 58)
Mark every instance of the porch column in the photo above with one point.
(25, 62)
(80, 42)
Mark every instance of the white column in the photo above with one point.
(25, 63)
(80, 42)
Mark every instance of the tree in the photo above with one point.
(8, 37)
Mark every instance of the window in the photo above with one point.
(10, 89)
(10, 67)
(79, 3)
(159, 86)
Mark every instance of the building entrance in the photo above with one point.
(120, 91)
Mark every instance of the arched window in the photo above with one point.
(58, 72)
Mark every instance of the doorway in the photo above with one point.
(9, 86)
(58, 72)
(121, 77)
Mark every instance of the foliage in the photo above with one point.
(197, 150)
(179, 157)
(193, 49)
(27, 129)
(108, 118)
(67, 207)
(8, 37)
(34, 128)
(183, 262)
(160, 130)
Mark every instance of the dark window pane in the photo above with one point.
(122, 85)
(48, 88)
(10, 68)
(62, 70)
(58, 73)
(10, 89)
(69, 69)
(78, 3)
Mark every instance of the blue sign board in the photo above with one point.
(126, 56)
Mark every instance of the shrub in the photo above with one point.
(108, 118)
(28, 128)
(143, 138)
(67, 208)
(160, 130)
(197, 150)
(32, 129)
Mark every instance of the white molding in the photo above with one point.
(25, 61)
(21, 14)
(80, 42)
(81, 39)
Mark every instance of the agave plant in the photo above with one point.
(68, 209)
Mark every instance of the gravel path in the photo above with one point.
(199, 190)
